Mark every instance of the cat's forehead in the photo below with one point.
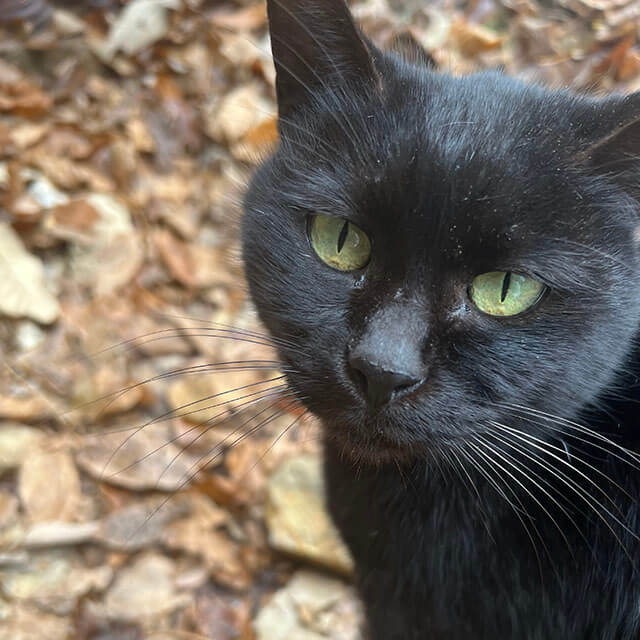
(434, 141)
(446, 152)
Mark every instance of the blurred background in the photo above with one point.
(188, 506)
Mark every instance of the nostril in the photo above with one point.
(378, 384)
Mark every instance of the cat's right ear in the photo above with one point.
(316, 45)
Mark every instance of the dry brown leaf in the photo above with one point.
(603, 5)
(22, 288)
(25, 209)
(195, 536)
(311, 607)
(297, 518)
(138, 133)
(24, 622)
(240, 111)
(73, 221)
(140, 24)
(249, 18)
(140, 460)
(193, 265)
(221, 615)
(28, 134)
(68, 174)
(473, 39)
(115, 255)
(176, 257)
(19, 96)
(123, 162)
(17, 442)
(9, 506)
(30, 407)
(49, 487)
(110, 382)
(144, 589)
(257, 142)
(68, 142)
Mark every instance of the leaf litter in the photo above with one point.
(156, 481)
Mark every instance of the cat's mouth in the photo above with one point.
(375, 440)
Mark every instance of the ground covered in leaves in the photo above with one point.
(189, 506)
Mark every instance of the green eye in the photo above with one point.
(339, 243)
(503, 293)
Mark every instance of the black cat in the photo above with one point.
(458, 263)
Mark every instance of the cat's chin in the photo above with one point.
(372, 447)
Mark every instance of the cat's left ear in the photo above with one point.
(316, 46)
(612, 131)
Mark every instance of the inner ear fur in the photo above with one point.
(316, 45)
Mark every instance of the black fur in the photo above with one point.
(461, 529)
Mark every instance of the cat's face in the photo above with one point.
(489, 259)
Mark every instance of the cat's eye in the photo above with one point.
(504, 293)
(339, 243)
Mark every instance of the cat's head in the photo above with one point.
(434, 249)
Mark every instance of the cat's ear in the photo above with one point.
(612, 131)
(410, 50)
(316, 44)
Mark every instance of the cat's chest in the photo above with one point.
(456, 559)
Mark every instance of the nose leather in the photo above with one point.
(381, 386)
(387, 359)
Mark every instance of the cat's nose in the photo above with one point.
(387, 361)
(380, 385)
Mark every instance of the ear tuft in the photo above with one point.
(316, 45)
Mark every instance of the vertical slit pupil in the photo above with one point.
(342, 238)
(505, 286)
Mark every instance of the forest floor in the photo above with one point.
(127, 134)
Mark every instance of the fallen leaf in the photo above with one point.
(24, 622)
(139, 25)
(237, 113)
(49, 486)
(257, 142)
(139, 525)
(26, 135)
(59, 534)
(72, 221)
(67, 24)
(145, 460)
(35, 11)
(138, 133)
(247, 18)
(67, 173)
(472, 39)
(219, 554)
(53, 581)
(23, 291)
(17, 442)
(176, 257)
(27, 407)
(43, 190)
(8, 510)
(311, 607)
(143, 590)
(297, 518)
(20, 96)
(115, 254)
